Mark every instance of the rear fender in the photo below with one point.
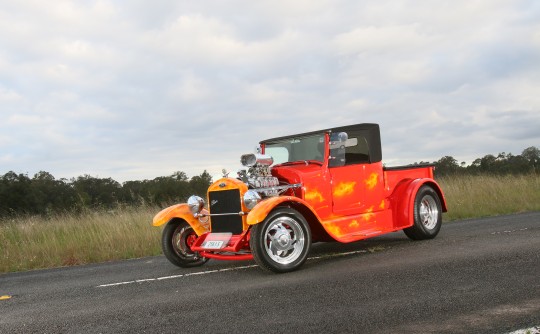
(183, 212)
(404, 196)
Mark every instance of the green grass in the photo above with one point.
(28, 243)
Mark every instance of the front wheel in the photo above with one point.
(427, 215)
(282, 241)
(176, 241)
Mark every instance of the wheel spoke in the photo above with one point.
(429, 213)
(284, 240)
(181, 238)
(273, 248)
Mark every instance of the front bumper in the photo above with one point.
(224, 246)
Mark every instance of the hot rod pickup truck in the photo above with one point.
(327, 185)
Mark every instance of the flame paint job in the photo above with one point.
(391, 213)
(344, 189)
(314, 196)
(372, 181)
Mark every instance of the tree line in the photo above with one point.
(503, 163)
(42, 194)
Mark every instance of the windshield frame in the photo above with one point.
(316, 144)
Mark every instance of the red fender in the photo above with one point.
(403, 200)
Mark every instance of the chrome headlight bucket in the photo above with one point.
(251, 198)
(196, 204)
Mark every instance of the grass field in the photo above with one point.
(480, 196)
(65, 240)
(34, 242)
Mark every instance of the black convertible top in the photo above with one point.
(370, 131)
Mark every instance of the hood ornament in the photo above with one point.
(225, 173)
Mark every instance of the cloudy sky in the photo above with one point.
(134, 89)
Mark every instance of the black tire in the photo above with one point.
(427, 215)
(176, 240)
(281, 243)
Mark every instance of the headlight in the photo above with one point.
(196, 204)
(251, 198)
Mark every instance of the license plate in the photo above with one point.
(216, 240)
(213, 244)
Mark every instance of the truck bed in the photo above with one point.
(397, 174)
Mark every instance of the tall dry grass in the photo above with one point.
(488, 195)
(33, 242)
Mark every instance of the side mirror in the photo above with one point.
(337, 149)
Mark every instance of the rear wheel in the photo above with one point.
(176, 241)
(427, 215)
(282, 241)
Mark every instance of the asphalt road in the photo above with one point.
(477, 276)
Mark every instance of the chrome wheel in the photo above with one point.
(281, 242)
(427, 215)
(177, 239)
(284, 240)
(183, 238)
(429, 212)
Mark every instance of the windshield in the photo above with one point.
(297, 149)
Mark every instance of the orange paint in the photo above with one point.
(344, 189)
(333, 229)
(314, 196)
(261, 210)
(228, 183)
(368, 216)
(182, 211)
(354, 224)
(372, 181)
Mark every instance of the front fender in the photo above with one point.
(261, 210)
(181, 211)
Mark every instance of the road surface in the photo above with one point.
(477, 276)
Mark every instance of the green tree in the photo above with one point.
(447, 165)
(532, 155)
(50, 195)
(199, 184)
(96, 192)
(15, 194)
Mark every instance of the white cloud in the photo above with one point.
(7, 96)
(137, 90)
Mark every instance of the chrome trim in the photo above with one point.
(195, 204)
(429, 212)
(284, 240)
(251, 199)
(241, 213)
(250, 160)
(285, 187)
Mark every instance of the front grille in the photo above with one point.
(226, 201)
